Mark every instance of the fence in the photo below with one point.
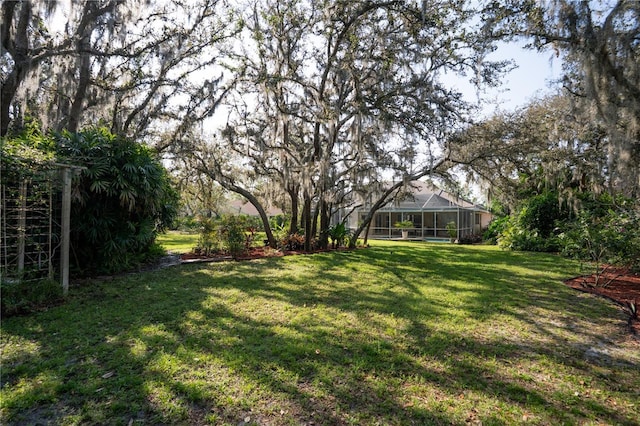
(35, 201)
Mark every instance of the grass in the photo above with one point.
(178, 242)
(401, 333)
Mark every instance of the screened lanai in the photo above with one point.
(429, 210)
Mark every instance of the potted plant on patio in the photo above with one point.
(452, 229)
(404, 226)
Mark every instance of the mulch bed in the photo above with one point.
(616, 284)
(253, 253)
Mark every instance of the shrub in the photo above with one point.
(209, 240)
(517, 237)
(233, 234)
(541, 213)
(470, 239)
(495, 229)
(611, 237)
(292, 242)
(278, 221)
(121, 200)
(338, 233)
(534, 227)
(185, 224)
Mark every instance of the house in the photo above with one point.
(430, 209)
(244, 207)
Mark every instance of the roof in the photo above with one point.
(424, 196)
(245, 207)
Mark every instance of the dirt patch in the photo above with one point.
(616, 284)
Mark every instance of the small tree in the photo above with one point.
(234, 236)
(338, 233)
(452, 230)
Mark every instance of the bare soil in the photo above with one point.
(617, 284)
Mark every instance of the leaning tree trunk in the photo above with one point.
(261, 211)
(386, 197)
(215, 174)
(366, 233)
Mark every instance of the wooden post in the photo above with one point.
(22, 225)
(66, 230)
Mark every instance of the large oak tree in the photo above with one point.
(338, 98)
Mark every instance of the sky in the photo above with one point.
(530, 80)
(535, 72)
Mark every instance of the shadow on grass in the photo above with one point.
(362, 337)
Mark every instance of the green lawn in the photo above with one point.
(399, 333)
(178, 242)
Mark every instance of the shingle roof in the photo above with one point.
(424, 196)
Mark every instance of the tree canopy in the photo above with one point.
(598, 43)
(338, 98)
(321, 107)
(147, 70)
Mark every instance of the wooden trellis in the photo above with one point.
(35, 208)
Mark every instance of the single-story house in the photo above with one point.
(242, 206)
(430, 209)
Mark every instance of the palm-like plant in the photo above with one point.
(121, 199)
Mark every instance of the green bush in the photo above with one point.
(534, 226)
(470, 239)
(185, 224)
(121, 200)
(233, 234)
(279, 221)
(542, 213)
(338, 234)
(495, 229)
(605, 237)
(517, 237)
(209, 240)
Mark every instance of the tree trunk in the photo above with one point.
(385, 198)
(75, 114)
(19, 50)
(325, 219)
(261, 211)
(314, 221)
(293, 193)
(366, 233)
(306, 218)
